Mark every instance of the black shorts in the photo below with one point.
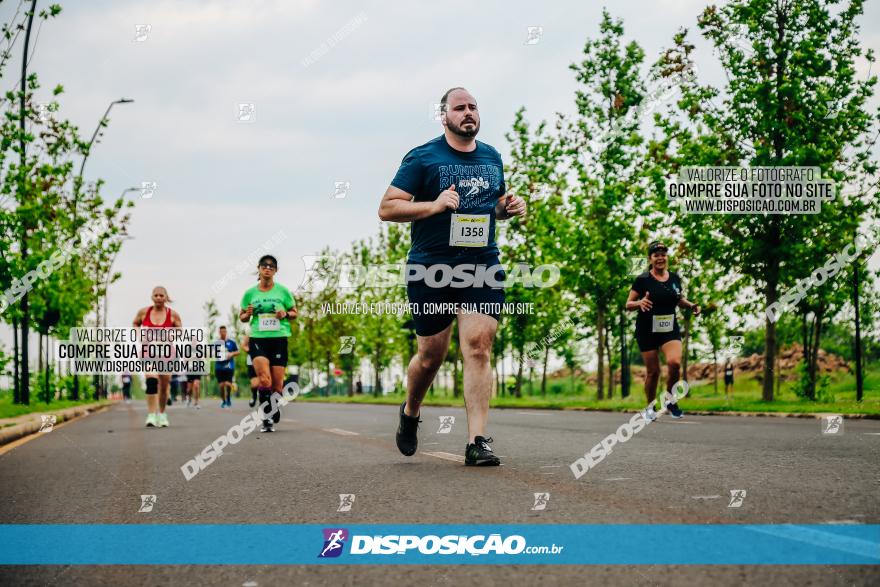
(251, 372)
(193, 377)
(224, 375)
(728, 380)
(274, 349)
(432, 307)
(652, 341)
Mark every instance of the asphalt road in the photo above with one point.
(94, 470)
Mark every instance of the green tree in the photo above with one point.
(605, 151)
(791, 99)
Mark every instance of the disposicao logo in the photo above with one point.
(334, 541)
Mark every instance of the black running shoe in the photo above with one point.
(408, 433)
(480, 453)
(674, 411)
(253, 400)
(267, 426)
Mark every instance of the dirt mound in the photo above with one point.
(753, 365)
(788, 359)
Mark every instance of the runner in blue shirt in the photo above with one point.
(225, 370)
(452, 190)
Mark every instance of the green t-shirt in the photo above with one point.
(264, 322)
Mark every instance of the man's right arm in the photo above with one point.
(400, 206)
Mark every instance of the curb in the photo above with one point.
(814, 415)
(32, 426)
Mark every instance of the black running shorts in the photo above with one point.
(652, 341)
(434, 307)
(274, 349)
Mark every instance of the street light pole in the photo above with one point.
(101, 123)
(78, 184)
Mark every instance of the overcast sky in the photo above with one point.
(225, 186)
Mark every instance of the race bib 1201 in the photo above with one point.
(663, 323)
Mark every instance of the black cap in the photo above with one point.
(656, 246)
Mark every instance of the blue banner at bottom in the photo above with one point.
(538, 544)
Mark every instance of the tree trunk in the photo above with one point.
(769, 345)
(686, 343)
(518, 384)
(600, 363)
(715, 366)
(503, 379)
(860, 383)
(16, 373)
(47, 366)
(610, 393)
(377, 379)
(40, 364)
(329, 376)
(807, 359)
(544, 370)
(624, 360)
(814, 355)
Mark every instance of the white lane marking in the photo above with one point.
(444, 455)
(618, 479)
(872, 433)
(705, 496)
(429, 443)
(533, 413)
(340, 431)
(677, 422)
(842, 522)
(550, 466)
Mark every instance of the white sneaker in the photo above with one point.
(649, 414)
(163, 420)
(152, 420)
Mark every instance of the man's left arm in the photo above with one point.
(509, 206)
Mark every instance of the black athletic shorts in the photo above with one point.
(193, 377)
(251, 372)
(433, 308)
(224, 375)
(651, 341)
(274, 349)
(728, 380)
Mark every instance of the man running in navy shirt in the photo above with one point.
(225, 370)
(452, 190)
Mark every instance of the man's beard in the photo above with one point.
(457, 130)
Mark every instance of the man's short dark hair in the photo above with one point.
(445, 97)
(222, 328)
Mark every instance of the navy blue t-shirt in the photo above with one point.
(479, 181)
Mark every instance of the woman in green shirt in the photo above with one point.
(269, 307)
